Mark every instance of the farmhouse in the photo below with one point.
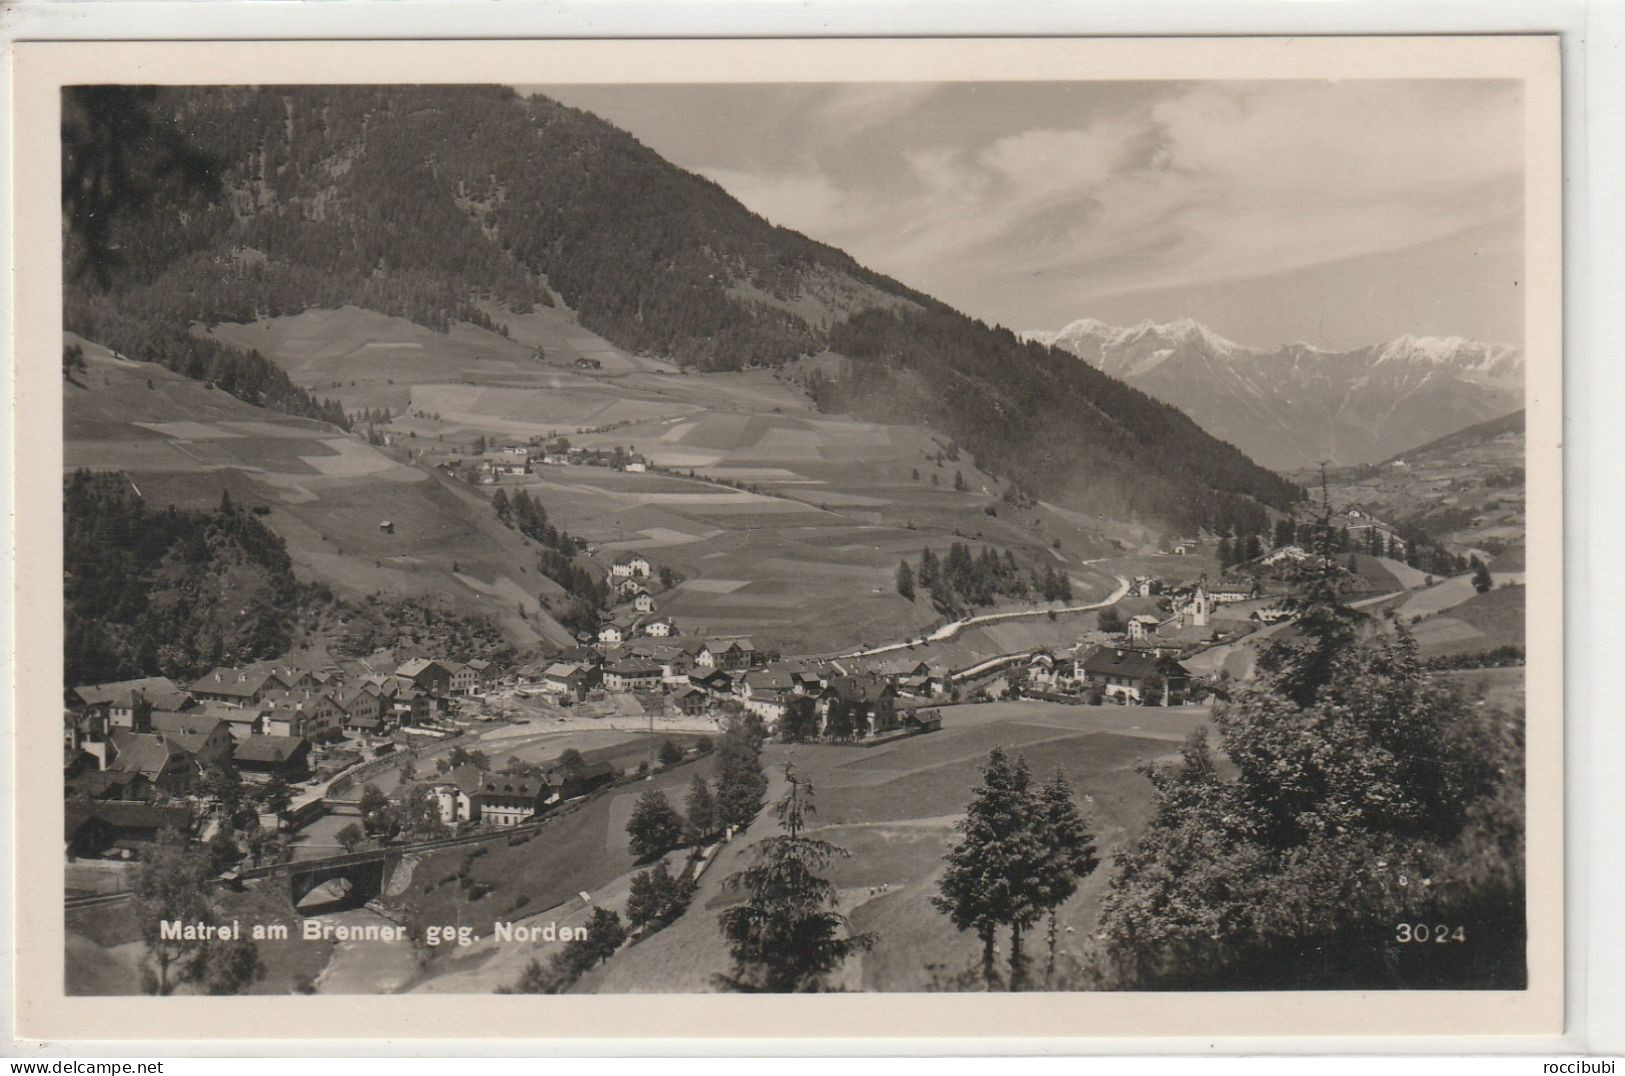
(691, 702)
(506, 462)
(631, 565)
(464, 680)
(121, 701)
(108, 785)
(568, 680)
(661, 627)
(237, 687)
(208, 740)
(632, 674)
(427, 674)
(458, 799)
(1142, 626)
(165, 766)
(566, 783)
(311, 714)
(95, 828)
(611, 634)
(363, 707)
(728, 654)
(487, 674)
(714, 682)
(507, 800)
(871, 702)
(1126, 675)
(262, 756)
(241, 721)
(767, 692)
(644, 603)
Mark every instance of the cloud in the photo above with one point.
(1210, 182)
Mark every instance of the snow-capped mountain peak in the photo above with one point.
(1299, 403)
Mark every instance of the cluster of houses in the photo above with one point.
(496, 462)
(1120, 674)
(696, 677)
(135, 744)
(470, 794)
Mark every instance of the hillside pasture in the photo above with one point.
(326, 494)
(1482, 622)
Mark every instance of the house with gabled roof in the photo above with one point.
(507, 799)
(632, 674)
(459, 796)
(427, 674)
(871, 702)
(464, 680)
(124, 703)
(487, 674)
(631, 565)
(243, 686)
(727, 654)
(166, 766)
(714, 682)
(207, 739)
(1126, 674)
(92, 828)
(258, 757)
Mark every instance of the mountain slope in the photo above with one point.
(1480, 435)
(446, 205)
(1294, 406)
(1466, 488)
(322, 494)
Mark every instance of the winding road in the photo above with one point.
(949, 630)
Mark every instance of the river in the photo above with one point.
(366, 967)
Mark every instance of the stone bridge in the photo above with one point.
(368, 874)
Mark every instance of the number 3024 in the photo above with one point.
(1422, 932)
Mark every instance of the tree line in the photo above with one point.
(963, 579)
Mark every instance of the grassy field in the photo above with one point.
(893, 807)
(1481, 622)
(323, 492)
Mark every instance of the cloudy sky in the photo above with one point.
(1338, 213)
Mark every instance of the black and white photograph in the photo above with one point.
(946, 536)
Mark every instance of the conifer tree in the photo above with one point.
(786, 937)
(1070, 849)
(905, 580)
(993, 873)
(700, 809)
(741, 784)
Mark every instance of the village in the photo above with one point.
(139, 754)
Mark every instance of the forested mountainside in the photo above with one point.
(1029, 412)
(169, 592)
(443, 204)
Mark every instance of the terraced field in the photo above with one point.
(785, 523)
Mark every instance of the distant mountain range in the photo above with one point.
(1296, 405)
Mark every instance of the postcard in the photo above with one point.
(789, 538)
